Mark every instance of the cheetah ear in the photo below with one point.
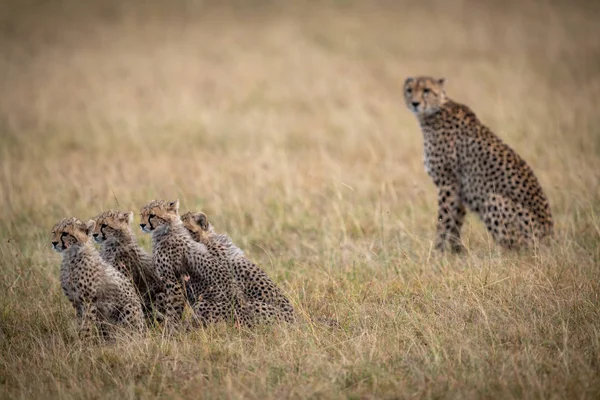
(127, 217)
(202, 220)
(441, 82)
(408, 80)
(89, 227)
(174, 205)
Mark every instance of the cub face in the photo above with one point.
(157, 213)
(69, 232)
(424, 95)
(197, 224)
(111, 223)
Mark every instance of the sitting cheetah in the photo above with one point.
(266, 301)
(177, 257)
(472, 167)
(119, 248)
(101, 295)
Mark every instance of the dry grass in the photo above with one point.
(285, 124)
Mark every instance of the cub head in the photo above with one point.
(70, 232)
(157, 213)
(197, 224)
(111, 223)
(424, 95)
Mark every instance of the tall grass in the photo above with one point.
(284, 122)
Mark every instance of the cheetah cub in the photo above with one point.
(177, 257)
(102, 297)
(265, 301)
(119, 248)
(472, 167)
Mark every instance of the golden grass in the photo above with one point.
(284, 122)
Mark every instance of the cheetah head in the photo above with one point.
(111, 223)
(157, 213)
(70, 232)
(197, 224)
(424, 95)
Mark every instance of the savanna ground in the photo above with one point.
(284, 122)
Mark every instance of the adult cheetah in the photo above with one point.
(102, 297)
(472, 167)
(177, 257)
(264, 299)
(119, 248)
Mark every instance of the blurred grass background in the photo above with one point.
(284, 122)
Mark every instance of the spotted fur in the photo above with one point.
(102, 297)
(473, 168)
(119, 247)
(177, 257)
(264, 299)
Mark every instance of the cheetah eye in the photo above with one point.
(151, 216)
(426, 90)
(409, 90)
(63, 234)
(103, 226)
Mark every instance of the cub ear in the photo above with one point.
(408, 80)
(89, 227)
(127, 217)
(174, 205)
(202, 220)
(441, 82)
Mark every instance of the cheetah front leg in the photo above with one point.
(451, 216)
(174, 301)
(89, 321)
(174, 296)
(159, 306)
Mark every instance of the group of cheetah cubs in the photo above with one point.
(121, 285)
(470, 166)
